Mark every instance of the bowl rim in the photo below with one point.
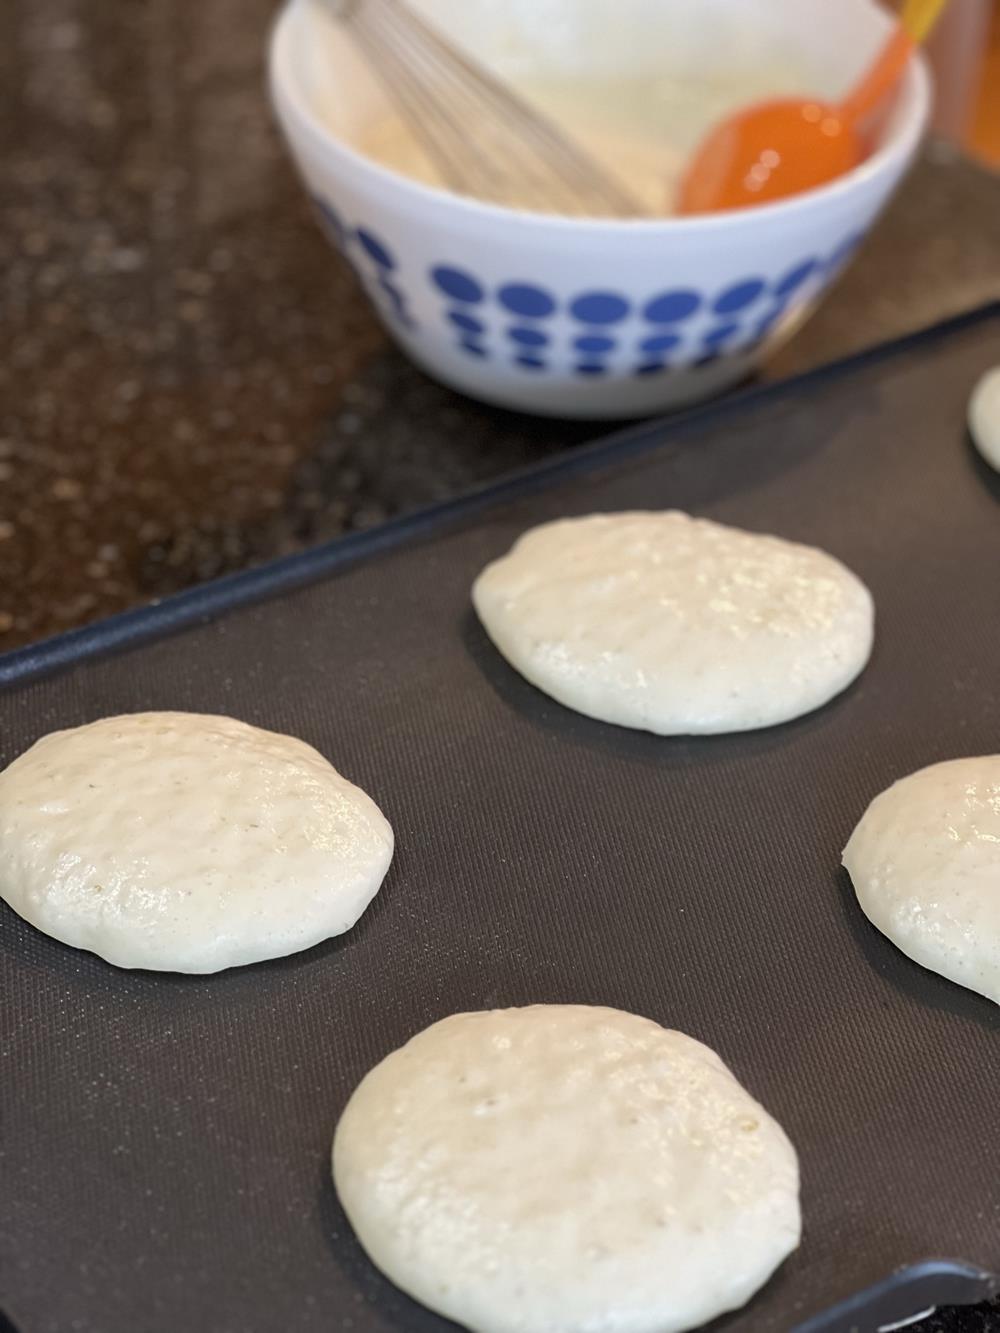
(292, 104)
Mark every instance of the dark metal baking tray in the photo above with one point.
(164, 1145)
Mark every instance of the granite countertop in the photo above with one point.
(194, 383)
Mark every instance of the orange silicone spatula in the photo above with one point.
(783, 146)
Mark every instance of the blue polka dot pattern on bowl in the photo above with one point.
(376, 249)
(599, 308)
(721, 333)
(458, 284)
(738, 296)
(521, 298)
(393, 293)
(671, 307)
(462, 286)
(529, 325)
(527, 337)
(661, 342)
(594, 343)
(467, 323)
(708, 359)
(603, 330)
(330, 221)
(372, 260)
(795, 277)
(768, 321)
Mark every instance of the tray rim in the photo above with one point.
(907, 1293)
(205, 601)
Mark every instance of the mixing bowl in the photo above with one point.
(584, 317)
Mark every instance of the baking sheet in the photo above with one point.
(164, 1140)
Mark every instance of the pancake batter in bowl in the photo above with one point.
(640, 129)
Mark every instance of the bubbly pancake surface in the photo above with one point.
(566, 1167)
(674, 624)
(186, 842)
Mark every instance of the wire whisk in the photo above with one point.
(483, 139)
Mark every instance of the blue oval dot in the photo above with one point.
(599, 308)
(720, 334)
(739, 296)
(660, 342)
(466, 322)
(594, 342)
(393, 292)
(528, 337)
(456, 283)
(590, 368)
(651, 368)
(530, 362)
(796, 276)
(669, 307)
(331, 217)
(473, 348)
(520, 298)
(376, 248)
(768, 322)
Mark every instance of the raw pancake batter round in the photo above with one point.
(183, 842)
(676, 625)
(984, 417)
(562, 1167)
(925, 864)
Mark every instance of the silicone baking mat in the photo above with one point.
(164, 1142)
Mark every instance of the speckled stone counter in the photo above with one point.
(192, 382)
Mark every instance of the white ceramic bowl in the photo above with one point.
(588, 318)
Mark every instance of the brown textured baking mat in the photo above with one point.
(164, 1140)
